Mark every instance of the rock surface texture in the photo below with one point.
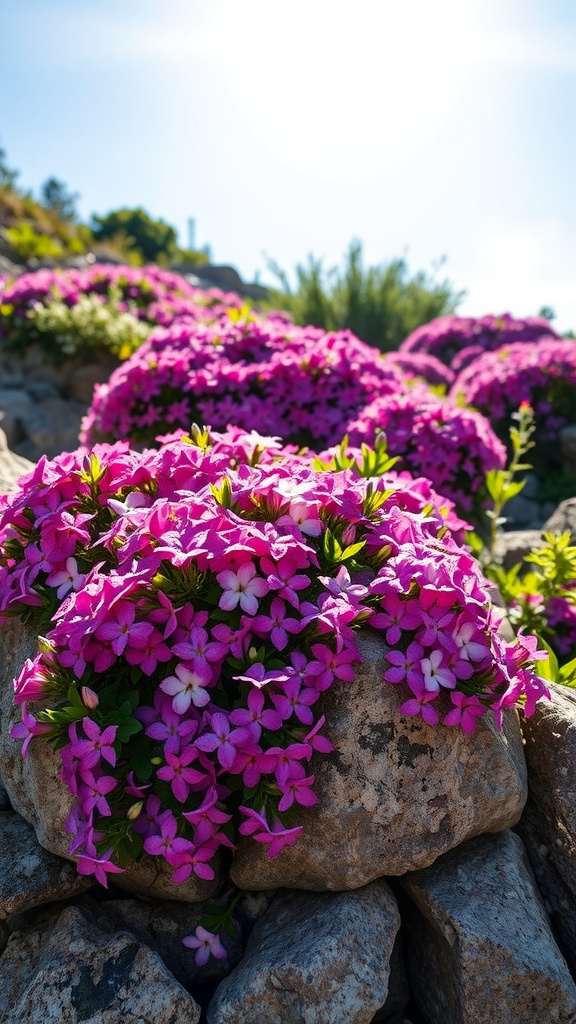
(548, 824)
(395, 794)
(481, 949)
(314, 958)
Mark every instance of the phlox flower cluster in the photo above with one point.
(151, 294)
(421, 366)
(453, 447)
(542, 374)
(197, 602)
(264, 374)
(449, 337)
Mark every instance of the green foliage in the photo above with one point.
(381, 304)
(153, 240)
(8, 176)
(28, 243)
(90, 325)
(501, 484)
(54, 195)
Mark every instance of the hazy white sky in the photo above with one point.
(424, 129)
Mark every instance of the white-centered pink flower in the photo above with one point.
(436, 674)
(242, 588)
(186, 688)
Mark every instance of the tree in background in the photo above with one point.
(153, 240)
(54, 195)
(7, 175)
(381, 304)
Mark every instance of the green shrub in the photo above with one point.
(382, 304)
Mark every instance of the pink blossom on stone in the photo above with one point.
(241, 588)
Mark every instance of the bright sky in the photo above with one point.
(425, 128)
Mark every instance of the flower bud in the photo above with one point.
(133, 811)
(252, 653)
(156, 760)
(89, 698)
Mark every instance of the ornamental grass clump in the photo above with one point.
(541, 375)
(453, 447)
(195, 602)
(263, 374)
(450, 337)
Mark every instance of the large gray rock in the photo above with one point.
(563, 519)
(12, 466)
(512, 547)
(548, 825)
(29, 875)
(163, 925)
(481, 949)
(395, 794)
(73, 971)
(568, 450)
(37, 792)
(316, 958)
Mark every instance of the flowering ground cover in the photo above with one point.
(262, 374)
(452, 446)
(449, 338)
(541, 374)
(149, 294)
(194, 603)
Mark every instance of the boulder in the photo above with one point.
(37, 792)
(513, 546)
(71, 970)
(548, 825)
(29, 875)
(568, 450)
(395, 793)
(12, 466)
(563, 519)
(480, 946)
(316, 958)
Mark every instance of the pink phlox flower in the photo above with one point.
(100, 866)
(252, 763)
(147, 651)
(465, 711)
(275, 836)
(259, 677)
(223, 740)
(93, 793)
(172, 730)
(436, 673)
(206, 944)
(420, 705)
(28, 728)
(99, 744)
(185, 687)
(133, 501)
(177, 772)
(167, 844)
(296, 699)
(208, 811)
(277, 625)
(66, 579)
(30, 684)
(406, 666)
(471, 642)
(242, 588)
(297, 788)
(305, 515)
(256, 716)
(329, 666)
(395, 617)
(284, 578)
(123, 628)
(288, 759)
(149, 821)
(313, 739)
(200, 653)
(341, 583)
(196, 860)
(133, 789)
